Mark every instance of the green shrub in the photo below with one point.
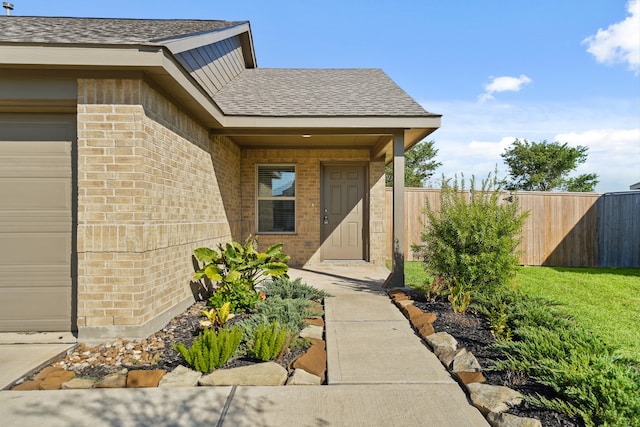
(234, 261)
(459, 296)
(241, 296)
(590, 379)
(211, 349)
(269, 341)
(284, 288)
(475, 241)
(499, 323)
(237, 269)
(290, 313)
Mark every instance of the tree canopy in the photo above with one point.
(544, 166)
(419, 165)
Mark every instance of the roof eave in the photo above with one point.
(155, 61)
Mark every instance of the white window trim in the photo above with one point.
(258, 199)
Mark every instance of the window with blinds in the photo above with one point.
(276, 199)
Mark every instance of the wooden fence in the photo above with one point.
(562, 229)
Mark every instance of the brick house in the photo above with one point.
(126, 144)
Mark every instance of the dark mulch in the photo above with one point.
(472, 332)
(184, 328)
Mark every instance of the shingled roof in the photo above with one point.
(283, 92)
(26, 29)
(247, 92)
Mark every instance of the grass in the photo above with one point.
(606, 301)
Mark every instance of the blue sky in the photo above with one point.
(497, 70)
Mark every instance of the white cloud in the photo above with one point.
(473, 136)
(504, 84)
(620, 42)
(614, 154)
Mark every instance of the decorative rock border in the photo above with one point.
(307, 369)
(492, 401)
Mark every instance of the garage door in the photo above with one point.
(35, 222)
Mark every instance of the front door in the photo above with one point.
(343, 212)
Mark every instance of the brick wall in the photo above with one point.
(152, 186)
(304, 246)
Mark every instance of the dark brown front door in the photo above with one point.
(342, 212)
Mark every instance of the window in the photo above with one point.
(276, 199)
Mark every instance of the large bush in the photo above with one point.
(472, 241)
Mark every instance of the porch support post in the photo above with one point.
(396, 279)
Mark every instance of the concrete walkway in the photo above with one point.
(379, 374)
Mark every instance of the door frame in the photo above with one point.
(365, 203)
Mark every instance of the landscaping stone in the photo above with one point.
(442, 342)
(411, 311)
(312, 331)
(465, 362)
(180, 377)
(117, 380)
(508, 420)
(55, 379)
(145, 378)
(425, 330)
(400, 296)
(28, 385)
(422, 319)
(447, 357)
(403, 303)
(265, 374)
(79, 384)
(316, 321)
(470, 377)
(493, 398)
(314, 360)
(396, 291)
(302, 377)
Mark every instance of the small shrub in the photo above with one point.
(284, 288)
(473, 241)
(234, 261)
(240, 296)
(211, 349)
(269, 341)
(438, 288)
(459, 296)
(291, 313)
(498, 323)
(217, 317)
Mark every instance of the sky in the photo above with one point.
(497, 70)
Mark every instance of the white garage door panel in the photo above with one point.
(35, 222)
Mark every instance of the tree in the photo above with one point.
(544, 166)
(418, 165)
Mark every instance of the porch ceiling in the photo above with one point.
(378, 141)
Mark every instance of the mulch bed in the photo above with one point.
(184, 328)
(472, 332)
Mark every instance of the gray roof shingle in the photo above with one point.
(276, 92)
(28, 29)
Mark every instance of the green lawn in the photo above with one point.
(603, 300)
